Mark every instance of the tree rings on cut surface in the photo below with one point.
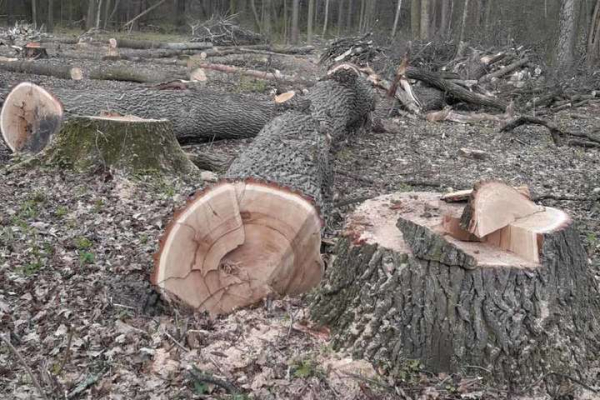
(29, 118)
(238, 242)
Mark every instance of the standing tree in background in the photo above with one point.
(267, 6)
(91, 13)
(445, 18)
(463, 24)
(425, 18)
(415, 18)
(593, 43)
(311, 12)
(567, 33)
(34, 12)
(295, 13)
(396, 18)
(326, 17)
(50, 16)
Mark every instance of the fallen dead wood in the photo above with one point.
(505, 71)
(272, 76)
(197, 116)
(132, 74)
(147, 44)
(31, 67)
(400, 287)
(258, 232)
(555, 131)
(448, 114)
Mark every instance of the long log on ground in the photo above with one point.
(258, 232)
(129, 145)
(197, 116)
(133, 74)
(402, 288)
(146, 44)
(504, 71)
(454, 90)
(195, 63)
(31, 67)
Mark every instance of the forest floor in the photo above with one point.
(76, 252)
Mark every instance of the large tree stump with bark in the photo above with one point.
(402, 287)
(258, 232)
(197, 116)
(127, 144)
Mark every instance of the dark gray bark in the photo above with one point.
(434, 304)
(197, 116)
(293, 150)
(565, 51)
(31, 67)
(147, 44)
(132, 74)
(295, 29)
(50, 16)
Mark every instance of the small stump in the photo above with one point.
(402, 287)
(127, 144)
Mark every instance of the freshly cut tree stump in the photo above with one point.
(197, 116)
(401, 288)
(29, 118)
(126, 144)
(258, 232)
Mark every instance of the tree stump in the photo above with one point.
(402, 288)
(127, 144)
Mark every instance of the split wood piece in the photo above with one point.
(146, 44)
(127, 144)
(30, 116)
(197, 116)
(131, 74)
(31, 67)
(463, 195)
(195, 62)
(259, 231)
(473, 153)
(454, 90)
(283, 97)
(113, 52)
(400, 288)
(494, 205)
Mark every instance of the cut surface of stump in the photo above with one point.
(401, 288)
(238, 242)
(127, 144)
(29, 118)
(494, 205)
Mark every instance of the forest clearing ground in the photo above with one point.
(76, 254)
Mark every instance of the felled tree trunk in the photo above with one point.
(195, 63)
(402, 288)
(30, 67)
(197, 116)
(258, 232)
(128, 144)
(131, 74)
(147, 44)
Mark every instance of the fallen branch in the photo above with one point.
(504, 71)
(24, 364)
(199, 377)
(555, 131)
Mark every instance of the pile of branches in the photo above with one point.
(21, 34)
(357, 50)
(224, 31)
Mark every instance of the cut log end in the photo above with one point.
(30, 117)
(198, 75)
(76, 74)
(238, 242)
(283, 97)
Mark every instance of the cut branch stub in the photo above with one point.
(493, 206)
(238, 242)
(29, 118)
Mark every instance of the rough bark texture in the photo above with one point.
(417, 295)
(147, 44)
(128, 145)
(565, 51)
(132, 74)
(30, 67)
(197, 116)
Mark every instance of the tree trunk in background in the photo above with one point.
(566, 37)
(340, 20)
(267, 6)
(593, 43)
(9, 12)
(91, 12)
(445, 17)
(106, 13)
(34, 12)
(326, 17)
(295, 12)
(396, 18)
(311, 12)
(361, 17)
(50, 17)
(98, 14)
(464, 21)
(415, 18)
(349, 19)
(425, 19)
(255, 13)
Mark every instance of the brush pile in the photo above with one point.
(224, 31)
(357, 50)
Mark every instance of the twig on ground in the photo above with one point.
(24, 364)
(200, 377)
